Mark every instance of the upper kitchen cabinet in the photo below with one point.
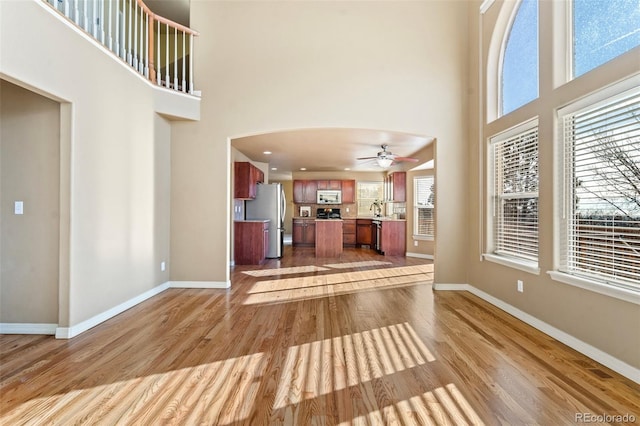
(304, 191)
(329, 184)
(246, 177)
(348, 191)
(395, 187)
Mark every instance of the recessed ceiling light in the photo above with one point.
(274, 168)
(266, 152)
(303, 168)
(346, 168)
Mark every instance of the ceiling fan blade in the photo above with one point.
(366, 158)
(409, 159)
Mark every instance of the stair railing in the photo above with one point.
(156, 47)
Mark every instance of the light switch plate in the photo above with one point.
(18, 207)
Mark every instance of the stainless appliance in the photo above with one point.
(378, 242)
(328, 196)
(328, 213)
(269, 204)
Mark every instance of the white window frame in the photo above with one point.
(561, 272)
(418, 206)
(359, 199)
(493, 253)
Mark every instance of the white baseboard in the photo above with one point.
(27, 328)
(584, 348)
(69, 332)
(420, 255)
(200, 284)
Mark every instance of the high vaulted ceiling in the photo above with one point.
(330, 149)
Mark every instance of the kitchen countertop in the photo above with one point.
(385, 218)
(253, 220)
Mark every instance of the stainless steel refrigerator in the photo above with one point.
(269, 204)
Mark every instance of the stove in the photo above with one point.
(323, 213)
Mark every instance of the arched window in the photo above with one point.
(603, 30)
(520, 60)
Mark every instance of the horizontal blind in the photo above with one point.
(602, 168)
(367, 193)
(516, 195)
(424, 197)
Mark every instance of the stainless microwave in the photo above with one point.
(328, 196)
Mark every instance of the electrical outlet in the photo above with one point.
(163, 266)
(18, 207)
(415, 243)
(520, 286)
(347, 209)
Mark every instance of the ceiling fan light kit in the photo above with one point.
(385, 158)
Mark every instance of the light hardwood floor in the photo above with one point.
(358, 340)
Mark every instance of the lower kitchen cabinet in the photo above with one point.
(349, 232)
(392, 238)
(304, 232)
(364, 233)
(251, 242)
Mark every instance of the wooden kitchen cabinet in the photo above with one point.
(349, 232)
(364, 233)
(395, 187)
(348, 191)
(393, 238)
(304, 232)
(329, 184)
(304, 191)
(251, 242)
(329, 238)
(246, 178)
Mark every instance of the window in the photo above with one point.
(368, 192)
(520, 62)
(423, 199)
(601, 221)
(603, 30)
(515, 193)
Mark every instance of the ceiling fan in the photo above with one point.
(387, 158)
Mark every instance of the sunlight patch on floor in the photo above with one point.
(363, 264)
(315, 287)
(442, 406)
(221, 392)
(324, 366)
(285, 271)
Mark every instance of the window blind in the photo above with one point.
(424, 197)
(602, 175)
(515, 165)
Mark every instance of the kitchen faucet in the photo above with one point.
(378, 208)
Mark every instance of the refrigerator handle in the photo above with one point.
(284, 208)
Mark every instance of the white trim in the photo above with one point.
(423, 237)
(522, 265)
(27, 328)
(69, 332)
(200, 284)
(619, 366)
(486, 4)
(420, 255)
(596, 286)
(450, 287)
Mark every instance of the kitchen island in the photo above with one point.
(328, 237)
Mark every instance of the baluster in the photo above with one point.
(101, 23)
(148, 41)
(95, 19)
(191, 63)
(76, 12)
(86, 17)
(66, 9)
(135, 36)
(117, 50)
(184, 61)
(168, 80)
(143, 55)
(175, 59)
(129, 46)
(125, 52)
(159, 67)
(111, 25)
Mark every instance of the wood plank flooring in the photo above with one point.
(358, 340)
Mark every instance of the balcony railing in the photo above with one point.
(157, 48)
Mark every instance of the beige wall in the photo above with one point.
(116, 160)
(270, 66)
(606, 323)
(30, 171)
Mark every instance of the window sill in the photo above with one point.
(596, 286)
(522, 265)
(423, 237)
